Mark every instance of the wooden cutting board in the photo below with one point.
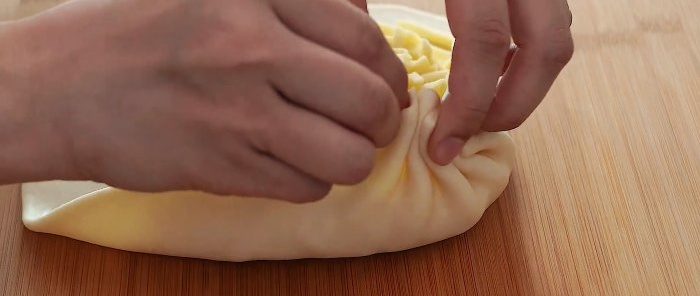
(605, 199)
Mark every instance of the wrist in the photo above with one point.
(30, 145)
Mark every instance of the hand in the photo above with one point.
(482, 30)
(245, 97)
(362, 4)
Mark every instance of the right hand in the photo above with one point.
(267, 98)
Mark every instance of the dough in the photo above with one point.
(407, 201)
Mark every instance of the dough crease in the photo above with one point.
(407, 201)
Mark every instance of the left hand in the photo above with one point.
(481, 54)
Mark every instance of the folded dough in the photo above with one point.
(407, 201)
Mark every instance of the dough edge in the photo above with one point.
(161, 223)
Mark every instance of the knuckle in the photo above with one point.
(469, 110)
(213, 48)
(260, 134)
(492, 34)
(559, 48)
(263, 56)
(466, 118)
(262, 53)
(260, 130)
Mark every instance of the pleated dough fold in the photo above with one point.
(406, 202)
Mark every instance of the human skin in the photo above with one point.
(244, 97)
(157, 100)
(483, 30)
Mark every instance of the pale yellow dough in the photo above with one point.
(406, 202)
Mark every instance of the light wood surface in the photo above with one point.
(605, 199)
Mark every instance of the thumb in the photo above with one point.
(459, 119)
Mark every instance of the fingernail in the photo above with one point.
(449, 149)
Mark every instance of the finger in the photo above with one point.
(362, 4)
(285, 182)
(240, 164)
(541, 31)
(246, 172)
(325, 82)
(482, 39)
(341, 27)
(317, 146)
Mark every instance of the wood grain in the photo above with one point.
(605, 199)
